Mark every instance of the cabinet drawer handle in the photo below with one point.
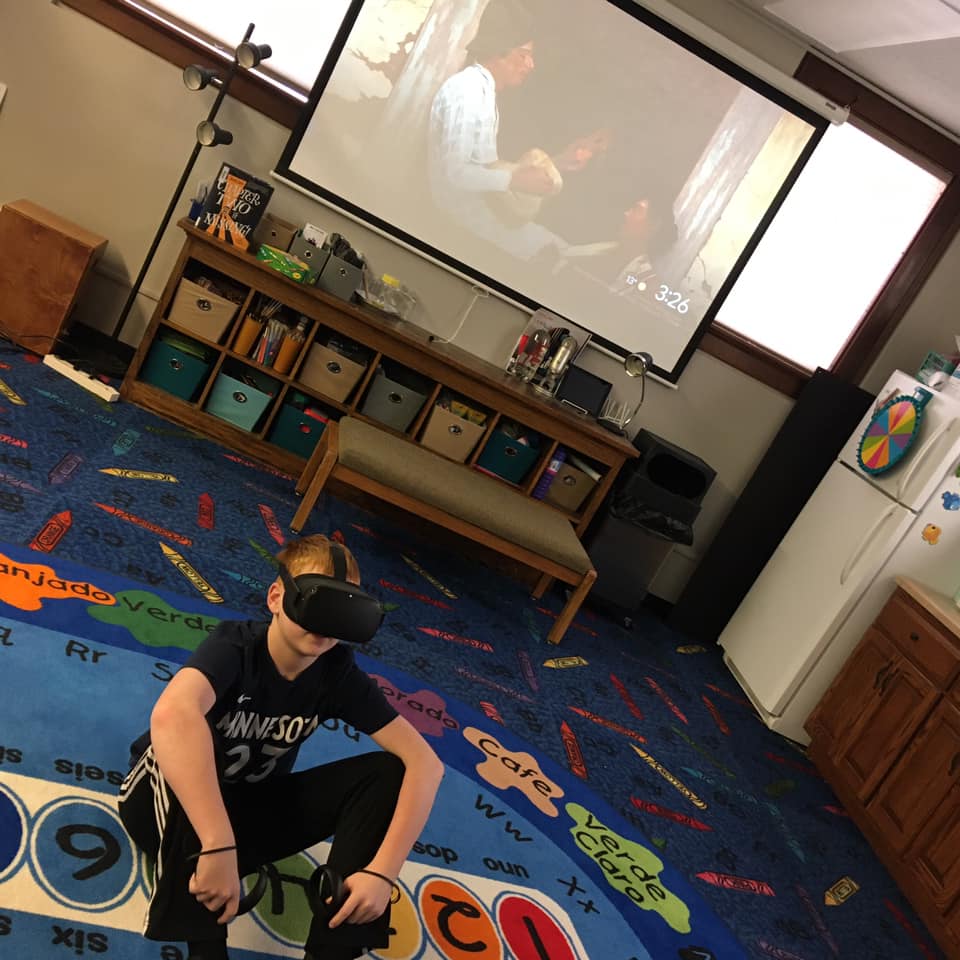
(333, 366)
(914, 637)
(204, 304)
(881, 673)
(455, 429)
(886, 682)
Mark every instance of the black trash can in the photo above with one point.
(652, 507)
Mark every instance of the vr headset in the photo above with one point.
(330, 606)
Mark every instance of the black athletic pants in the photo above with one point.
(352, 800)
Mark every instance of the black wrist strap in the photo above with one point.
(204, 853)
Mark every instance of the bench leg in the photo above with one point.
(571, 607)
(315, 475)
(543, 585)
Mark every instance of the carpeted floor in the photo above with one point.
(645, 722)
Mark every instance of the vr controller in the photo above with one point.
(331, 606)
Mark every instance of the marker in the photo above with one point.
(52, 532)
(191, 574)
(139, 474)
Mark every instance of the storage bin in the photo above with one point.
(330, 373)
(239, 402)
(296, 431)
(200, 311)
(312, 255)
(274, 231)
(507, 457)
(393, 403)
(569, 488)
(450, 435)
(339, 278)
(177, 366)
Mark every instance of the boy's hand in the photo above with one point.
(367, 898)
(216, 884)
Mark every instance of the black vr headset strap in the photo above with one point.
(339, 561)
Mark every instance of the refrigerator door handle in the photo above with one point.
(921, 456)
(864, 543)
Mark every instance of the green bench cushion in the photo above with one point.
(453, 488)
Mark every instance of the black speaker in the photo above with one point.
(826, 412)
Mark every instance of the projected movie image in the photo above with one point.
(569, 153)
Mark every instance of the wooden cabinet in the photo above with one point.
(886, 735)
(199, 365)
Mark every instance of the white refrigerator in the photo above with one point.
(835, 568)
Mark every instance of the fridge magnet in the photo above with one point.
(891, 432)
(931, 534)
(951, 500)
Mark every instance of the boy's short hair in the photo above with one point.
(312, 555)
(504, 26)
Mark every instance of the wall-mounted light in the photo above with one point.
(210, 135)
(196, 77)
(250, 54)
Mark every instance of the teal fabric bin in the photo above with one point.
(238, 402)
(295, 431)
(175, 370)
(507, 457)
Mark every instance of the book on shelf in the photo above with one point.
(234, 205)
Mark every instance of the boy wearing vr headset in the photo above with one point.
(212, 795)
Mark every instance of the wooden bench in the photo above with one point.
(446, 493)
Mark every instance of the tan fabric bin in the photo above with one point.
(330, 373)
(569, 488)
(450, 435)
(201, 312)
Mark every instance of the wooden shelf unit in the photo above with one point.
(443, 365)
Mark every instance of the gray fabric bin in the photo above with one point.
(393, 403)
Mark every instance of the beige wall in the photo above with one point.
(99, 131)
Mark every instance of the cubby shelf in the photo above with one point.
(436, 369)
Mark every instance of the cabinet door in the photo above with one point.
(903, 699)
(921, 800)
(853, 688)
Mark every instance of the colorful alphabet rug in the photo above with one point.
(519, 859)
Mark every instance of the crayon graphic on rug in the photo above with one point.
(13, 441)
(396, 588)
(12, 394)
(188, 571)
(125, 442)
(662, 694)
(491, 712)
(526, 668)
(265, 554)
(670, 778)
(715, 713)
(609, 724)
(841, 891)
(565, 663)
(456, 638)
(11, 480)
(206, 512)
(729, 881)
(625, 696)
(146, 524)
(125, 474)
(66, 467)
(572, 747)
(647, 807)
(778, 953)
(259, 466)
(436, 584)
(52, 532)
(574, 625)
(271, 523)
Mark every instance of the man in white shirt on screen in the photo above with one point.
(464, 168)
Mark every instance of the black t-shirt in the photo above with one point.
(260, 718)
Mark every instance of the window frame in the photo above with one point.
(752, 358)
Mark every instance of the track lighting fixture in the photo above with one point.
(196, 77)
(250, 54)
(210, 135)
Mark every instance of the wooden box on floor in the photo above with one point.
(44, 260)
